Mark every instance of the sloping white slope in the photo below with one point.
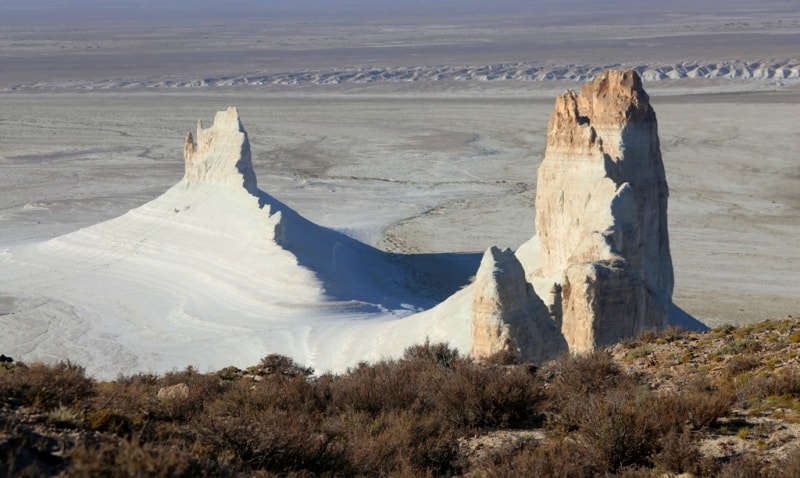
(212, 274)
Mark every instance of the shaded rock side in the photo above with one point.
(220, 153)
(601, 214)
(507, 315)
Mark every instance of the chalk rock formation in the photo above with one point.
(601, 213)
(507, 315)
(601, 252)
(221, 153)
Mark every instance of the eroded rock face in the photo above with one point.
(601, 212)
(220, 153)
(507, 315)
(600, 261)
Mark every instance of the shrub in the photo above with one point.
(438, 353)
(552, 459)
(282, 365)
(699, 404)
(47, 386)
(401, 443)
(742, 363)
(738, 346)
(273, 440)
(131, 459)
(474, 396)
(585, 373)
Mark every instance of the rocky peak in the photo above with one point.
(220, 153)
(601, 212)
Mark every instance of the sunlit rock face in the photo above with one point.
(601, 214)
(600, 264)
(220, 153)
(507, 315)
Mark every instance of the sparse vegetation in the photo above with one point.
(724, 403)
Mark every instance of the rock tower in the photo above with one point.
(220, 153)
(601, 254)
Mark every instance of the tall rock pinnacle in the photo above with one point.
(601, 212)
(220, 153)
(601, 254)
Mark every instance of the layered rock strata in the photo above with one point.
(602, 248)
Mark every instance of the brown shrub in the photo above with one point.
(433, 379)
(282, 365)
(474, 396)
(745, 466)
(399, 443)
(385, 386)
(698, 404)
(271, 439)
(749, 388)
(585, 373)
(564, 458)
(47, 386)
(680, 453)
(131, 459)
(741, 363)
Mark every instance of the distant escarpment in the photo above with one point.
(775, 71)
(600, 261)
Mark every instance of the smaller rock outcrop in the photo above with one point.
(507, 315)
(220, 153)
(178, 391)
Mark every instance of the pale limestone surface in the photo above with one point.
(221, 153)
(601, 252)
(507, 315)
(601, 213)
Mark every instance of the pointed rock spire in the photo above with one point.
(220, 153)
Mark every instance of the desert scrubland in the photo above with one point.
(416, 130)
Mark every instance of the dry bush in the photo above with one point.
(616, 423)
(179, 408)
(433, 379)
(750, 388)
(47, 386)
(131, 459)
(628, 426)
(384, 386)
(439, 353)
(699, 403)
(474, 396)
(564, 458)
(741, 363)
(399, 443)
(271, 439)
(680, 453)
(282, 365)
(619, 426)
(585, 373)
(745, 466)
(411, 383)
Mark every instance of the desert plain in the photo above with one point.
(416, 129)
